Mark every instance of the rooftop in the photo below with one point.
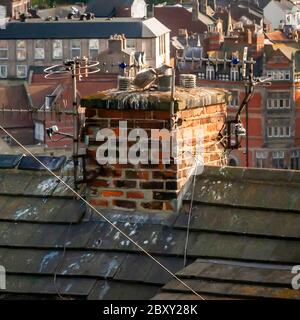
(277, 36)
(107, 8)
(286, 5)
(101, 28)
(244, 238)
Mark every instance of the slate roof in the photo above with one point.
(99, 28)
(59, 11)
(178, 17)
(244, 223)
(246, 228)
(37, 93)
(107, 8)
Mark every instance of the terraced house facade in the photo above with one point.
(36, 42)
(274, 110)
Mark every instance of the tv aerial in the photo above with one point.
(76, 69)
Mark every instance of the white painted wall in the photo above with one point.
(139, 9)
(274, 14)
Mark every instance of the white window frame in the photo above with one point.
(279, 131)
(201, 75)
(39, 51)
(17, 70)
(270, 131)
(269, 74)
(21, 51)
(130, 43)
(234, 73)
(236, 100)
(278, 154)
(72, 48)
(4, 49)
(92, 49)
(295, 154)
(278, 103)
(55, 48)
(162, 44)
(279, 75)
(210, 72)
(295, 159)
(287, 75)
(39, 131)
(261, 157)
(5, 73)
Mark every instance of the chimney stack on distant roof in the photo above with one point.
(116, 43)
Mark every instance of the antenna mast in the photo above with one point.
(76, 69)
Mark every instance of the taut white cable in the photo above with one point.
(98, 212)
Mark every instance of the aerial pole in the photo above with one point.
(72, 68)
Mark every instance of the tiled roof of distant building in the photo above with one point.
(277, 35)
(288, 49)
(13, 96)
(179, 17)
(37, 93)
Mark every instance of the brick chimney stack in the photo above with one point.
(248, 35)
(153, 185)
(116, 43)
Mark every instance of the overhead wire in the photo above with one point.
(189, 222)
(102, 215)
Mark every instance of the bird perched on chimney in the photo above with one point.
(146, 78)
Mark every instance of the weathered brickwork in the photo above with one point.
(151, 187)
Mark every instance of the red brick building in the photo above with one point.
(181, 17)
(273, 113)
(61, 101)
